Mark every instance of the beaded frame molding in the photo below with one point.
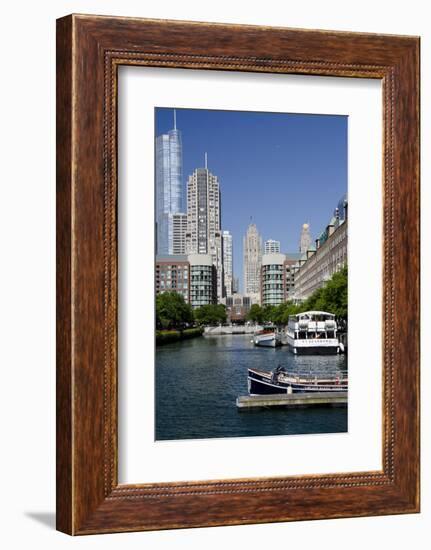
(89, 51)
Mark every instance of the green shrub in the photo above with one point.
(169, 336)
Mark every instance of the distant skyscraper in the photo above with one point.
(306, 240)
(252, 247)
(235, 285)
(203, 219)
(272, 247)
(169, 166)
(228, 262)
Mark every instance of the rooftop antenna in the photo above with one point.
(175, 119)
(206, 161)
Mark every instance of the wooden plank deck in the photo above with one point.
(245, 402)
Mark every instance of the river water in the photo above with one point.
(198, 381)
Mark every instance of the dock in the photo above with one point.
(246, 402)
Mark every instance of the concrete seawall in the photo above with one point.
(221, 330)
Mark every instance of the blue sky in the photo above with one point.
(281, 169)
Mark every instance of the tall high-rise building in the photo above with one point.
(179, 230)
(252, 249)
(203, 220)
(203, 211)
(272, 247)
(306, 240)
(228, 262)
(169, 166)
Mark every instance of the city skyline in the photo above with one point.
(254, 154)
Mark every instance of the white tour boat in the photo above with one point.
(313, 332)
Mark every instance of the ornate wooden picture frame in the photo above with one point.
(89, 51)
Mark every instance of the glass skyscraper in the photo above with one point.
(169, 175)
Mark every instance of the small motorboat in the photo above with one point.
(267, 337)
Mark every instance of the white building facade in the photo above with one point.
(228, 262)
(179, 230)
(203, 286)
(252, 250)
(273, 287)
(203, 220)
(272, 247)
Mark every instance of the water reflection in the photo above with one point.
(198, 381)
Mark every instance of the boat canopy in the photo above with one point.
(311, 315)
(315, 313)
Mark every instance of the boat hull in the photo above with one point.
(313, 347)
(267, 340)
(260, 383)
(315, 350)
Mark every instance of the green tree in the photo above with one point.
(211, 314)
(268, 314)
(315, 301)
(221, 313)
(255, 314)
(335, 294)
(289, 308)
(332, 297)
(172, 311)
(279, 315)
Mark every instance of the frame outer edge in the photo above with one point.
(64, 367)
(407, 291)
(81, 508)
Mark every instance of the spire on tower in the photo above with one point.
(206, 160)
(175, 119)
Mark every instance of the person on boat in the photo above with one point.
(275, 373)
